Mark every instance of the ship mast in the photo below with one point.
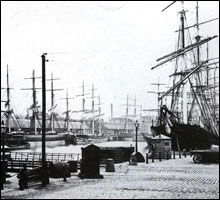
(158, 93)
(52, 101)
(126, 129)
(9, 112)
(34, 106)
(93, 108)
(207, 105)
(127, 111)
(67, 110)
(100, 114)
(83, 106)
(8, 103)
(180, 89)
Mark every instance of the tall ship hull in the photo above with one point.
(186, 136)
(56, 137)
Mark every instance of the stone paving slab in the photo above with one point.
(169, 179)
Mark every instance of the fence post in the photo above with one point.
(184, 153)
(20, 182)
(159, 156)
(146, 158)
(23, 184)
(3, 173)
(152, 157)
(179, 154)
(64, 174)
(174, 154)
(2, 179)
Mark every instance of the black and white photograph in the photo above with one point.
(109, 99)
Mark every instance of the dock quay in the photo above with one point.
(169, 179)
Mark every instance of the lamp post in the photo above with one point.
(44, 164)
(136, 129)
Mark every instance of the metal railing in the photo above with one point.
(53, 157)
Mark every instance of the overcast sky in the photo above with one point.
(111, 44)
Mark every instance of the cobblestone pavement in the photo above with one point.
(169, 179)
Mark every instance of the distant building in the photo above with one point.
(119, 126)
(122, 126)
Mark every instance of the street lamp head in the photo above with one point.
(136, 123)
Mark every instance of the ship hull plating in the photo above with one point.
(187, 136)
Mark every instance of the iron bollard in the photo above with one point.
(167, 155)
(133, 159)
(174, 153)
(110, 165)
(73, 165)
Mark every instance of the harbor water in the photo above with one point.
(59, 146)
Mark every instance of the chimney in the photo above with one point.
(111, 111)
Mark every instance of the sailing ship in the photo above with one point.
(24, 133)
(52, 135)
(14, 139)
(193, 124)
(90, 119)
